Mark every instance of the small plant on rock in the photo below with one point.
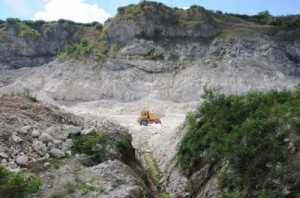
(93, 146)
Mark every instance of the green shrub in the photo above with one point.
(264, 14)
(26, 32)
(219, 12)
(115, 47)
(154, 55)
(290, 23)
(78, 50)
(170, 21)
(27, 93)
(86, 145)
(97, 25)
(16, 185)
(12, 21)
(103, 47)
(48, 29)
(130, 11)
(248, 131)
(39, 22)
(196, 7)
(124, 147)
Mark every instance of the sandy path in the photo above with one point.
(161, 138)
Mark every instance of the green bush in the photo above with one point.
(154, 55)
(97, 25)
(248, 131)
(196, 7)
(27, 93)
(130, 11)
(86, 145)
(264, 14)
(12, 21)
(26, 32)
(78, 50)
(48, 29)
(16, 185)
(103, 47)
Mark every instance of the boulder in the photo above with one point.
(4, 155)
(70, 129)
(97, 148)
(45, 137)
(24, 129)
(35, 133)
(16, 138)
(4, 161)
(88, 131)
(12, 165)
(57, 134)
(45, 158)
(57, 142)
(50, 145)
(22, 160)
(57, 153)
(40, 147)
(67, 145)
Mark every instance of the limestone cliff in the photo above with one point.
(34, 43)
(149, 50)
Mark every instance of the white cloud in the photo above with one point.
(75, 10)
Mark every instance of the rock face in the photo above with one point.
(155, 20)
(114, 180)
(36, 43)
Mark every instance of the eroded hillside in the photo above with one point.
(148, 50)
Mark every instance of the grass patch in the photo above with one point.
(93, 146)
(154, 172)
(17, 185)
(85, 187)
(130, 11)
(26, 93)
(250, 132)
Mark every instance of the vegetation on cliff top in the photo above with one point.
(256, 136)
(42, 29)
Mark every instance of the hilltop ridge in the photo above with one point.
(34, 43)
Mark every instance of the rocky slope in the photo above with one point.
(38, 138)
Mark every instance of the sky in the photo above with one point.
(87, 11)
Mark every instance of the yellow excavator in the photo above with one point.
(147, 117)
